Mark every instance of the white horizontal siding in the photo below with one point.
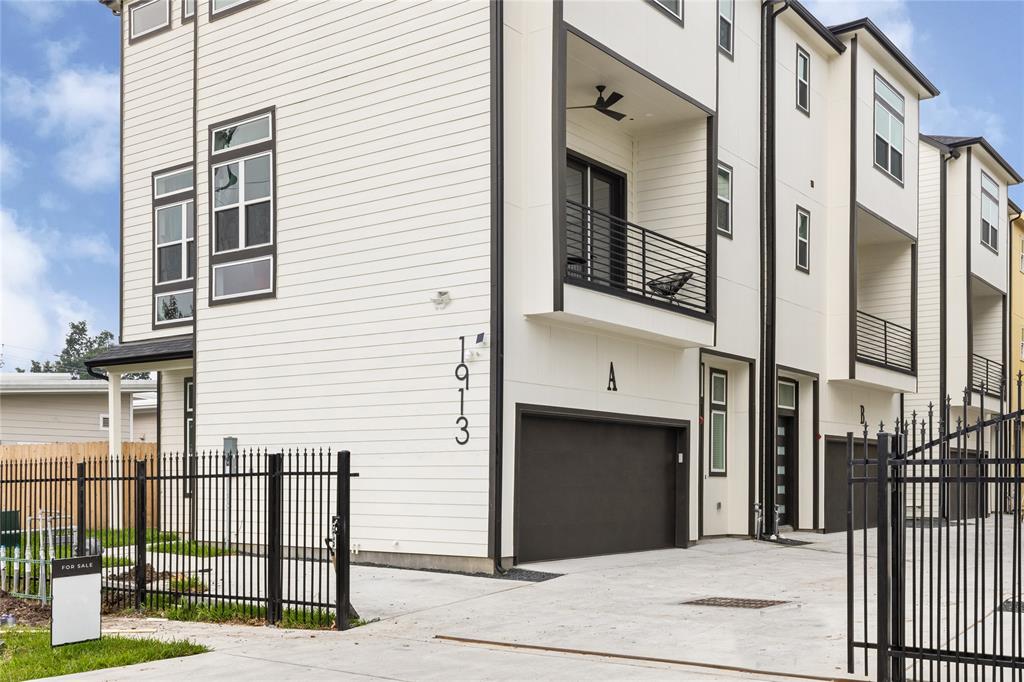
(35, 418)
(884, 281)
(672, 182)
(383, 199)
(157, 111)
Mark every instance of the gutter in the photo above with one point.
(93, 373)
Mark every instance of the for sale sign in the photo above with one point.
(75, 613)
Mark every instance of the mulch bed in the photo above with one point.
(26, 612)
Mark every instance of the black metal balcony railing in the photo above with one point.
(606, 252)
(884, 343)
(986, 376)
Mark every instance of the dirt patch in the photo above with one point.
(26, 612)
(151, 574)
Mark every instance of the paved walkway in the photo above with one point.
(626, 606)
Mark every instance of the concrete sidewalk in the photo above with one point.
(623, 606)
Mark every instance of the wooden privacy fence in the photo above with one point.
(35, 466)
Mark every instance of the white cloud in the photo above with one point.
(48, 201)
(79, 109)
(58, 51)
(34, 312)
(944, 116)
(10, 164)
(37, 12)
(892, 16)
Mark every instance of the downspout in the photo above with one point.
(91, 372)
(943, 388)
(766, 373)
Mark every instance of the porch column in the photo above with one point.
(115, 518)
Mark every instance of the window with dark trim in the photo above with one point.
(725, 199)
(188, 10)
(726, 14)
(174, 246)
(718, 419)
(221, 7)
(803, 80)
(673, 8)
(148, 16)
(889, 111)
(989, 212)
(786, 393)
(190, 433)
(1021, 264)
(243, 207)
(803, 239)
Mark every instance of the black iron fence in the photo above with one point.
(249, 534)
(884, 343)
(934, 579)
(610, 253)
(987, 376)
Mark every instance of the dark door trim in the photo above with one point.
(682, 427)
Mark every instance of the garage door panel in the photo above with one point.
(590, 487)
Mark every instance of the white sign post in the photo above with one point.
(75, 611)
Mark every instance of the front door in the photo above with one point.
(785, 468)
(595, 223)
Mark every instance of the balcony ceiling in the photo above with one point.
(872, 230)
(646, 104)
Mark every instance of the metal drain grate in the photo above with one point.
(1012, 606)
(735, 603)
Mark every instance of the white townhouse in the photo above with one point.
(567, 277)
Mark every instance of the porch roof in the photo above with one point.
(141, 352)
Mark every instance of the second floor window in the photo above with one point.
(673, 7)
(1021, 264)
(174, 246)
(243, 207)
(803, 80)
(148, 16)
(989, 213)
(725, 19)
(803, 239)
(724, 199)
(889, 109)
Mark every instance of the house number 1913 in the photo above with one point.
(462, 374)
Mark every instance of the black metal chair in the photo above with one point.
(668, 286)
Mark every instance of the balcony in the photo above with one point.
(618, 257)
(884, 344)
(987, 376)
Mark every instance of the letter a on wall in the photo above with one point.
(612, 386)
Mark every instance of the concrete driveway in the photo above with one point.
(609, 617)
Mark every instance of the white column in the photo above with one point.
(114, 446)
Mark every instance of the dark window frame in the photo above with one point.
(721, 407)
(728, 232)
(801, 52)
(878, 99)
(189, 434)
(678, 18)
(992, 229)
(731, 50)
(245, 4)
(177, 286)
(262, 251)
(133, 39)
(188, 18)
(800, 210)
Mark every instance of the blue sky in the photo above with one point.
(59, 136)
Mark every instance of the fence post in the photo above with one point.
(897, 525)
(884, 567)
(342, 541)
(275, 491)
(80, 508)
(140, 532)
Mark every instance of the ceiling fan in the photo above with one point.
(602, 104)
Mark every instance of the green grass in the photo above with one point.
(125, 537)
(190, 548)
(318, 619)
(27, 654)
(117, 561)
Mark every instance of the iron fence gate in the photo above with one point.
(934, 532)
(248, 534)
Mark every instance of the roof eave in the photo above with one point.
(826, 35)
(895, 52)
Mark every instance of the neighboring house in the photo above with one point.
(144, 423)
(1016, 365)
(548, 318)
(53, 408)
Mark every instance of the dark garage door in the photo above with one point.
(587, 487)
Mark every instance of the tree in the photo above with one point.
(78, 347)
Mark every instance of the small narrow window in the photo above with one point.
(175, 237)
(726, 12)
(673, 7)
(243, 277)
(104, 421)
(190, 435)
(174, 246)
(989, 213)
(174, 182)
(175, 306)
(803, 80)
(888, 129)
(148, 17)
(724, 199)
(786, 395)
(241, 134)
(803, 239)
(188, 9)
(221, 5)
(1021, 264)
(719, 420)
